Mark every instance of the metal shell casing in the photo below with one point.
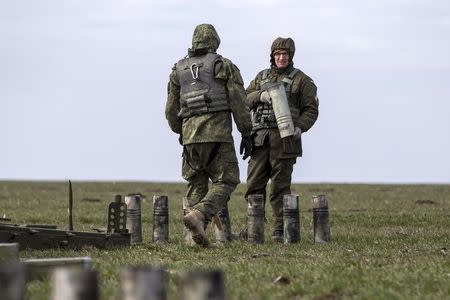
(281, 109)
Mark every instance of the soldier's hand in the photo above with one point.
(265, 97)
(246, 147)
(297, 132)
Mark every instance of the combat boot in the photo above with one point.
(195, 222)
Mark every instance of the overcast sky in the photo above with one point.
(83, 84)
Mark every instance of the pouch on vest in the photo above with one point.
(197, 105)
(292, 145)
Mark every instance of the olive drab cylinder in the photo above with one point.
(291, 219)
(321, 220)
(255, 218)
(143, 283)
(40, 268)
(12, 281)
(202, 285)
(160, 219)
(134, 221)
(73, 284)
(281, 109)
(9, 252)
(223, 230)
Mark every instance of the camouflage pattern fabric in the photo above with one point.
(198, 168)
(214, 127)
(201, 133)
(205, 36)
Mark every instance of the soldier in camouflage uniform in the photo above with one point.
(203, 91)
(273, 157)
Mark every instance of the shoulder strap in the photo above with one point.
(290, 78)
(264, 80)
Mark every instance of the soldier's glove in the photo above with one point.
(297, 132)
(180, 139)
(246, 147)
(265, 98)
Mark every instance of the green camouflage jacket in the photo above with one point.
(210, 127)
(213, 127)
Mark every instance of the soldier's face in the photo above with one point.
(281, 59)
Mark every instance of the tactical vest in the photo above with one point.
(263, 115)
(200, 92)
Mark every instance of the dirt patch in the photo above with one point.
(90, 200)
(259, 255)
(425, 202)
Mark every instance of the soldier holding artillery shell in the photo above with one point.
(204, 90)
(284, 104)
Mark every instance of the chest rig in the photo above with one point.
(263, 115)
(200, 92)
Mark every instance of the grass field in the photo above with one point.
(388, 241)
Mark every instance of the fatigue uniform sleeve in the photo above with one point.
(253, 92)
(173, 103)
(309, 105)
(228, 72)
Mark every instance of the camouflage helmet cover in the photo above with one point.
(205, 36)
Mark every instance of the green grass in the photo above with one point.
(386, 243)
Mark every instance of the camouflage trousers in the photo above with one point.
(265, 164)
(203, 162)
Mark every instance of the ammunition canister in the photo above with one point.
(12, 281)
(223, 230)
(202, 285)
(40, 268)
(281, 109)
(219, 232)
(291, 219)
(134, 222)
(255, 218)
(187, 236)
(143, 283)
(9, 252)
(73, 284)
(160, 219)
(321, 222)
